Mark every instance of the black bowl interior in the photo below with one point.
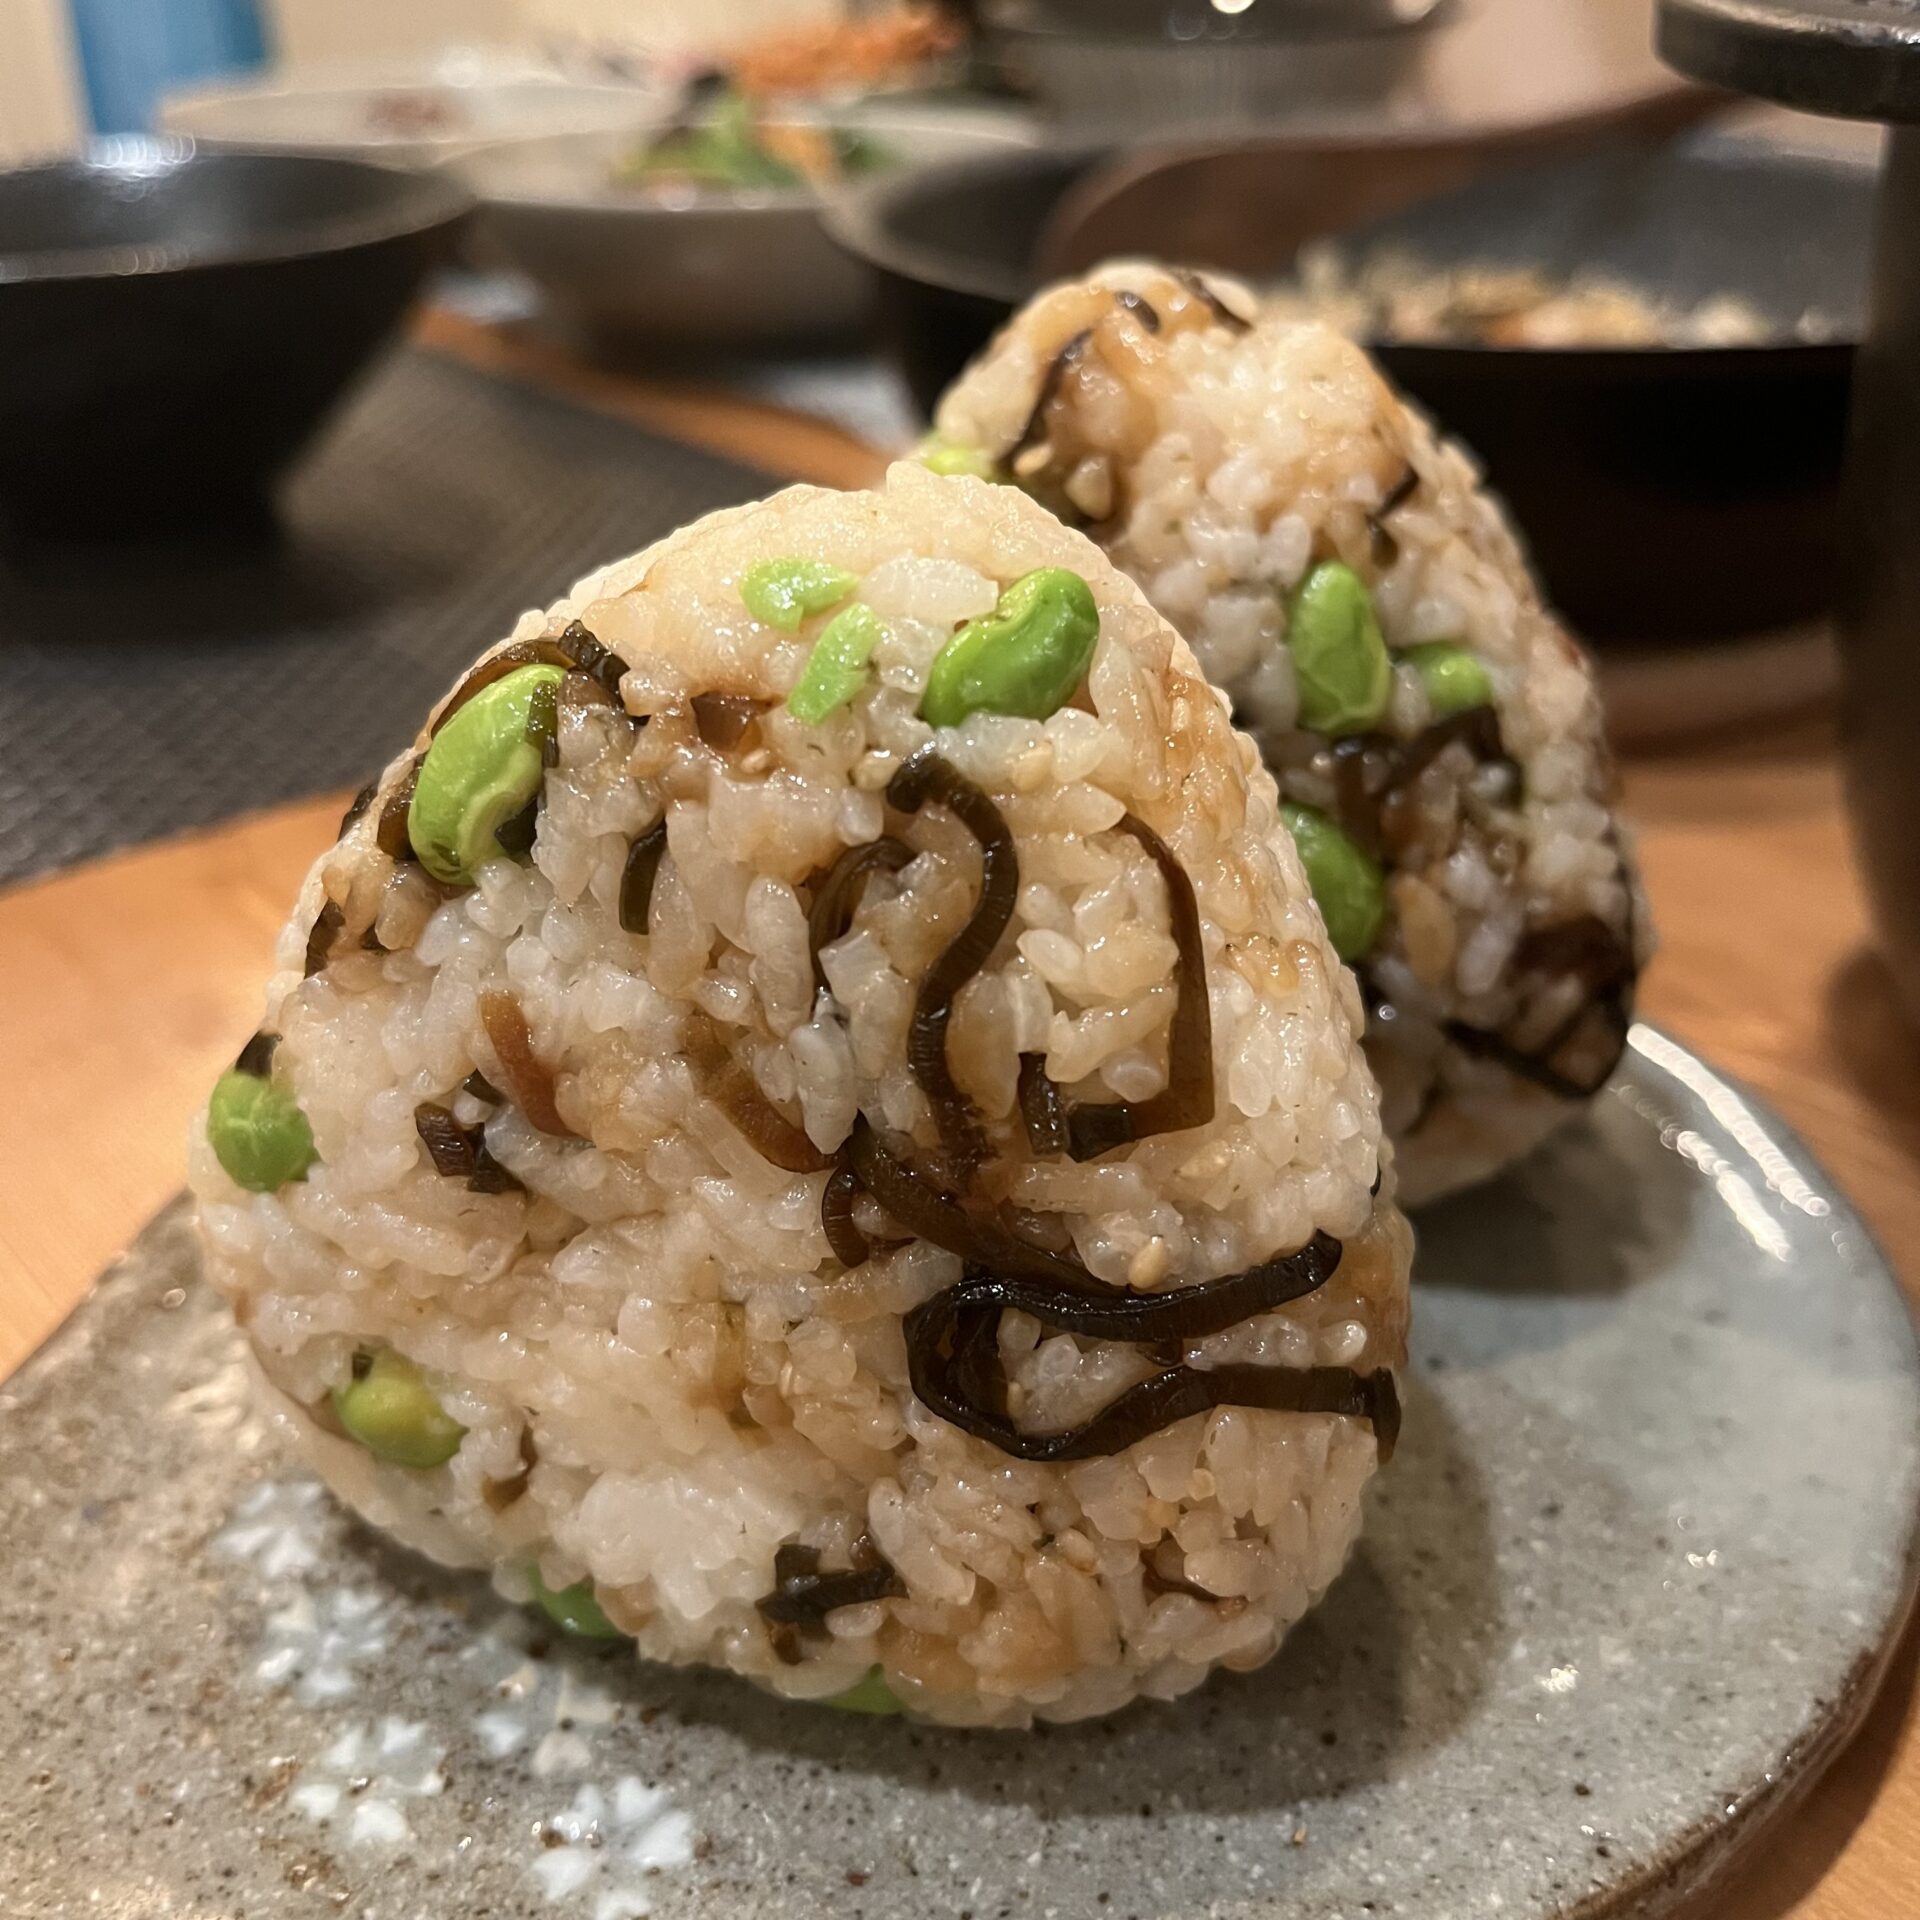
(1666, 492)
(175, 325)
(967, 227)
(1788, 234)
(158, 207)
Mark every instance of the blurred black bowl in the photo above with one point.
(1666, 492)
(174, 325)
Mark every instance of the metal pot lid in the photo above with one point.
(1855, 58)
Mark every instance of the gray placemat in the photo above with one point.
(144, 692)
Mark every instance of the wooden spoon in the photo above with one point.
(1248, 206)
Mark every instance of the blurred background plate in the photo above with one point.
(174, 325)
(411, 113)
(709, 268)
(1121, 67)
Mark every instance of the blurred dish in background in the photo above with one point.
(708, 239)
(835, 56)
(1669, 492)
(902, 48)
(1684, 488)
(174, 325)
(412, 114)
(728, 145)
(1123, 67)
(1390, 295)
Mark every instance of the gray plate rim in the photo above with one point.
(1704, 1854)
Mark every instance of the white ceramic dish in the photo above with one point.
(410, 116)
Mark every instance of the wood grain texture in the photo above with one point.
(795, 446)
(131, 982)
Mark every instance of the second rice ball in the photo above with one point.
(1344, 577)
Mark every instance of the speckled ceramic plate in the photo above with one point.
(1630, 1581)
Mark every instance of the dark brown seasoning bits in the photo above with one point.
(722, 719)
(836, 894)
(1042, 1110)
(1578, 1058)
(325, 931)
(586, 653)
(803, 1596)
(953, 1350)
(489, 1176)
(636, 881)
(575, 648)
(501, 1494)
(1057, 370)
(1187, 1100)
(516, 835)
(1597, 1029)
(529, 1080)
(1196, 285)
(543, 728)
(1477, 729)
(391, 834)
(925, 1204)
(256, 1057)
(1584, 947)
(452, 1148)
(1140, 307)
(850, 1246)
(730, 1085)
(954, 1364)
(961, 1381)
(477, 1084)
(1371, 771)
(581, 691)
(1386, 549)
(360, 802)
(927, 777)
(460, 1153)
(1093, 1310)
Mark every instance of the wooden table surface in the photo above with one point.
(130, 983)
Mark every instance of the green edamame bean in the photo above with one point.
(871, 1695)
(1347, 883)
(1340, 660)
(783, 592)
(1025, 657)
(836, 669)
(1456, 681)
(945, 457)
(574, 1610)
(257, 1132)
(483, 767)
(389, 1408)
